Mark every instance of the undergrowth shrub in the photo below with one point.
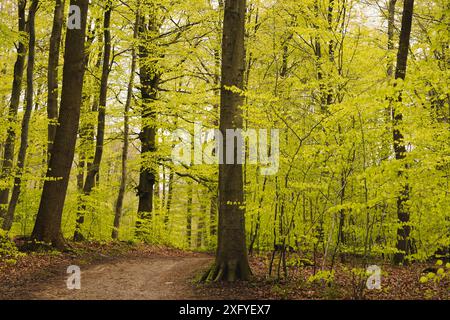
(8, 249)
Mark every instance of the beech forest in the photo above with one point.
(242, 149)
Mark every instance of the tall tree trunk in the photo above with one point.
(201, 231)
(391, 28)
(94, 169)
(403, 241)
(7, 223)
(189, 215)
(231, 259)
(254, 235)
(149, 78)
(213, 217)
(8, 155)
(126, 129)
(87, 130)
(213, 211)
(48, 221)
(169, 199)
(52, 73)
(387, 144)
(317, 47)
(330, 21)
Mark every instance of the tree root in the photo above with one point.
(30, 244)
(229, 271)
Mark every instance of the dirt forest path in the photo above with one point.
(149, 278)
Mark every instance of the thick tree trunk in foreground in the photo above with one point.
(52, 73)
(231, 258)
(7, 223)
(149, 78)
(403, 241)
(126, 129)
(8, 155)
(94, 169)
(48, 221)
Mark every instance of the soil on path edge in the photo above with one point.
(136, 279)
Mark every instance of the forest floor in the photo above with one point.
(138, 272)
(108, 271)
